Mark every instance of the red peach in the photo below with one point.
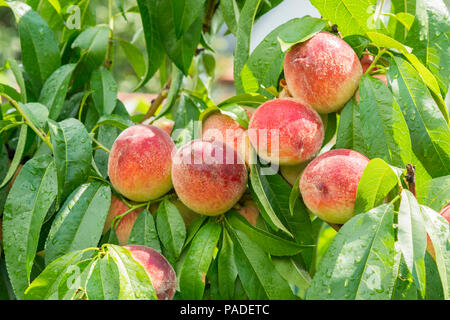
(140, 161)
(125, 225)
(366, 61)
(323, 72)
(249, 211)
(286, 131)
(328, 184)
(221, 127)
(164, 124)
(208, 176)
(159, 270)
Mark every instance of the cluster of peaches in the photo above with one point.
(210, 175)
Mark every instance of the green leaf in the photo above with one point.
(412, 238)
(258, 275)
(144, 231)
(6, 290)
(104, 280)
(196, 265)
(45, 286)
(155, 51)
(429, 131)
(93, 42)
(293, 273)
(349, 129)
(435, 193)
(230, 13)
(385, 131)
(398, 7)
(268, 242)
(245, 99)
(10, 91)
(296, 31)
(177, 80)
(352, 17)
(359, 264)
(73, 153)
(179, 49)
(237, 113)
(35, 113)
(74, 279)
(404, 287)
(185, 128)
(226, 266)
(358, 43)
(377, 181)
(17, 155)
(171, 227)
(429, 38)
(19, 78)
(55, 88)
(80, 221)
(105, 91)
(135, 57)
(26, 207)
(39, 48)
(115, 120)
(243, 34)
(185, 12)
(437, 228)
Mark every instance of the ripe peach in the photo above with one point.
(125, 225)
(328, 184)
(164, 124)
(159, 270)
(445, 212)
(366, 61)
(208, 176)
(291, 173)
(286, 131)
(323, 72)
(140, 161)
(249, 211)
(221, 127)
(381, 77)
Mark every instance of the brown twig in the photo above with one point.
(334, 29)
(336, 227)
(212, 8)
(158, 100)
(410, 178)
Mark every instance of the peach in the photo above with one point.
(221, 127)
(164, 124)
(366, 60)
(381, 77)
(159, 270)
(286, 131)
(291, 173)
(249, 211)
(140, 161)
(187, 214)
(328, 184)
(208, 176)
(445, 212)
(323, 72)
(125, 225)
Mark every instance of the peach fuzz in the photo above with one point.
(125, 225)
(221, 127)
(164, 124)
(296, 129)
(140, 161)
(208, 176)
(323, 72)
(249, 211)
(159, 270)
(291, 173)
(328, 184)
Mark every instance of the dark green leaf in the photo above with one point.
(226, 267)
(105, 91)
(435, 193)
(55, 89)
(35, 113)
(73, 153)
(26, 207)
(185, 12)
(412, 238)
(144, 231)
(104, 280)
(300, 30)
(135, 57)
(349, 130)
(293, 273)
(358, 43)
(171, 227)
(80, 221)
(385, 131)
(185, 127)
(175, 85)
(246, 99)
(359, 264)
(197, 261)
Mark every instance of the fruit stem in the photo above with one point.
(99, 145)
(410, 178)
(375, 60)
